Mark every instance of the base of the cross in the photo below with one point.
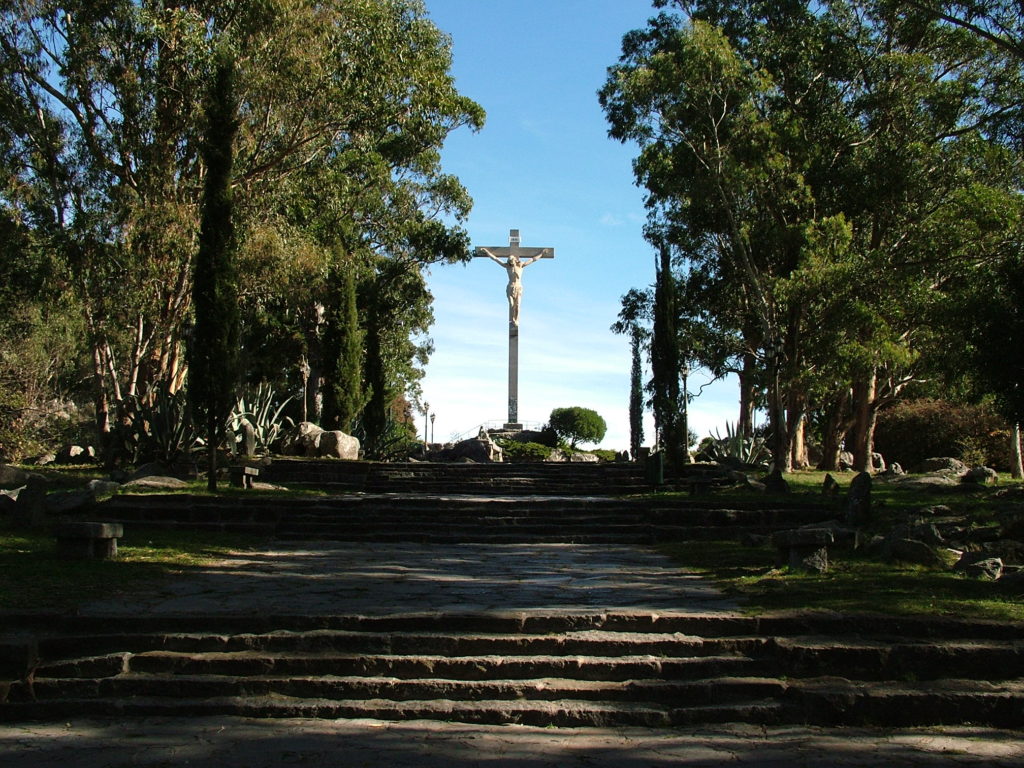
(512, 427)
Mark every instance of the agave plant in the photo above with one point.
(257, 413)
(156, 426)
(734, 448)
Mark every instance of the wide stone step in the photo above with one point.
(674, 693)
(562, 714)
(75, 649)
(459, 668)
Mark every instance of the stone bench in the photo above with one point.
(243, 477)
(88, 541)
(804, 549)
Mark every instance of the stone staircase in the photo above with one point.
(508, 479)
(466, 518)
(559, 669)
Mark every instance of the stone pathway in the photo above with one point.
(373, 579)
(216, 742)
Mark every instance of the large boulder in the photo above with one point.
(946, 465)
(476, 449)
(338, 445)
(12, 477)
(76, 454)
(981, 476)
(302, 440)
(583, 458)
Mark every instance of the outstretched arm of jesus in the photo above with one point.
(528, 262)
(493, 258)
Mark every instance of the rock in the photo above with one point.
(939, 510)
(76, 454)
(942, 464)
(1012, 582)
(803, 549)
(70, 502)
(338, 445)
(301, 440)
(1011, 524)
(477, 450)
(846, 460)
(557, 456)
(30, 507)
(776, 483)
(42, 461)
(981, 476)
(157, 481)
(928, 533)
(858, 500)
(988, 568)
(103, 487)
(744, 480)
(830, 488)
(877, 462)
(8, 503)
(583, 458)
(916, 552)
(1009, 551)
(152, 469)
(12, 477)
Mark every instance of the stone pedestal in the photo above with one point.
(88, 541)
(513, 375)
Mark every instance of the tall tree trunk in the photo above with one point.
(838, 420)
(746, 376)
(636, 398)
(1017, 470)
(777, 409)
(864, 413)
(795, 427)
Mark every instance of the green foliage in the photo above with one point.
(735, 448)
(259, 410)
(513, 450)
(155, 426)
(578, 425)
(915, 430)
(343, 352)
(604, 454)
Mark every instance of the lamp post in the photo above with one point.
(426, 412)
(432, 417)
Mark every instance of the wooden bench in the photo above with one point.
(88, 541)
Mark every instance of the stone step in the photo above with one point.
(87, 647)
(561, 714)
(868, 660)
(678, 693)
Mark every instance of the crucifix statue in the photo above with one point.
(514, 260)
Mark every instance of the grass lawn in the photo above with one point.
(32, 577)
(856, 582)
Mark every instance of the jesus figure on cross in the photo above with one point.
(514, 267)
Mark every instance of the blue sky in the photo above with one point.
(543, 164)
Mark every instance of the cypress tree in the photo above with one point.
(343, 351)
(636, 396)
(665, 362)
(213, 347)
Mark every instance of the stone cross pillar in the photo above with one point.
(514, 260)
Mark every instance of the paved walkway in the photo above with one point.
(216, 742)
(373, 579)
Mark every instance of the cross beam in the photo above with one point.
(514, 259)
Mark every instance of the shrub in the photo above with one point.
(915, 430)
(604, 454)
(578, 425)
(517, 451)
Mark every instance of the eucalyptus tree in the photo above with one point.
(106, 134)
(791, 141)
